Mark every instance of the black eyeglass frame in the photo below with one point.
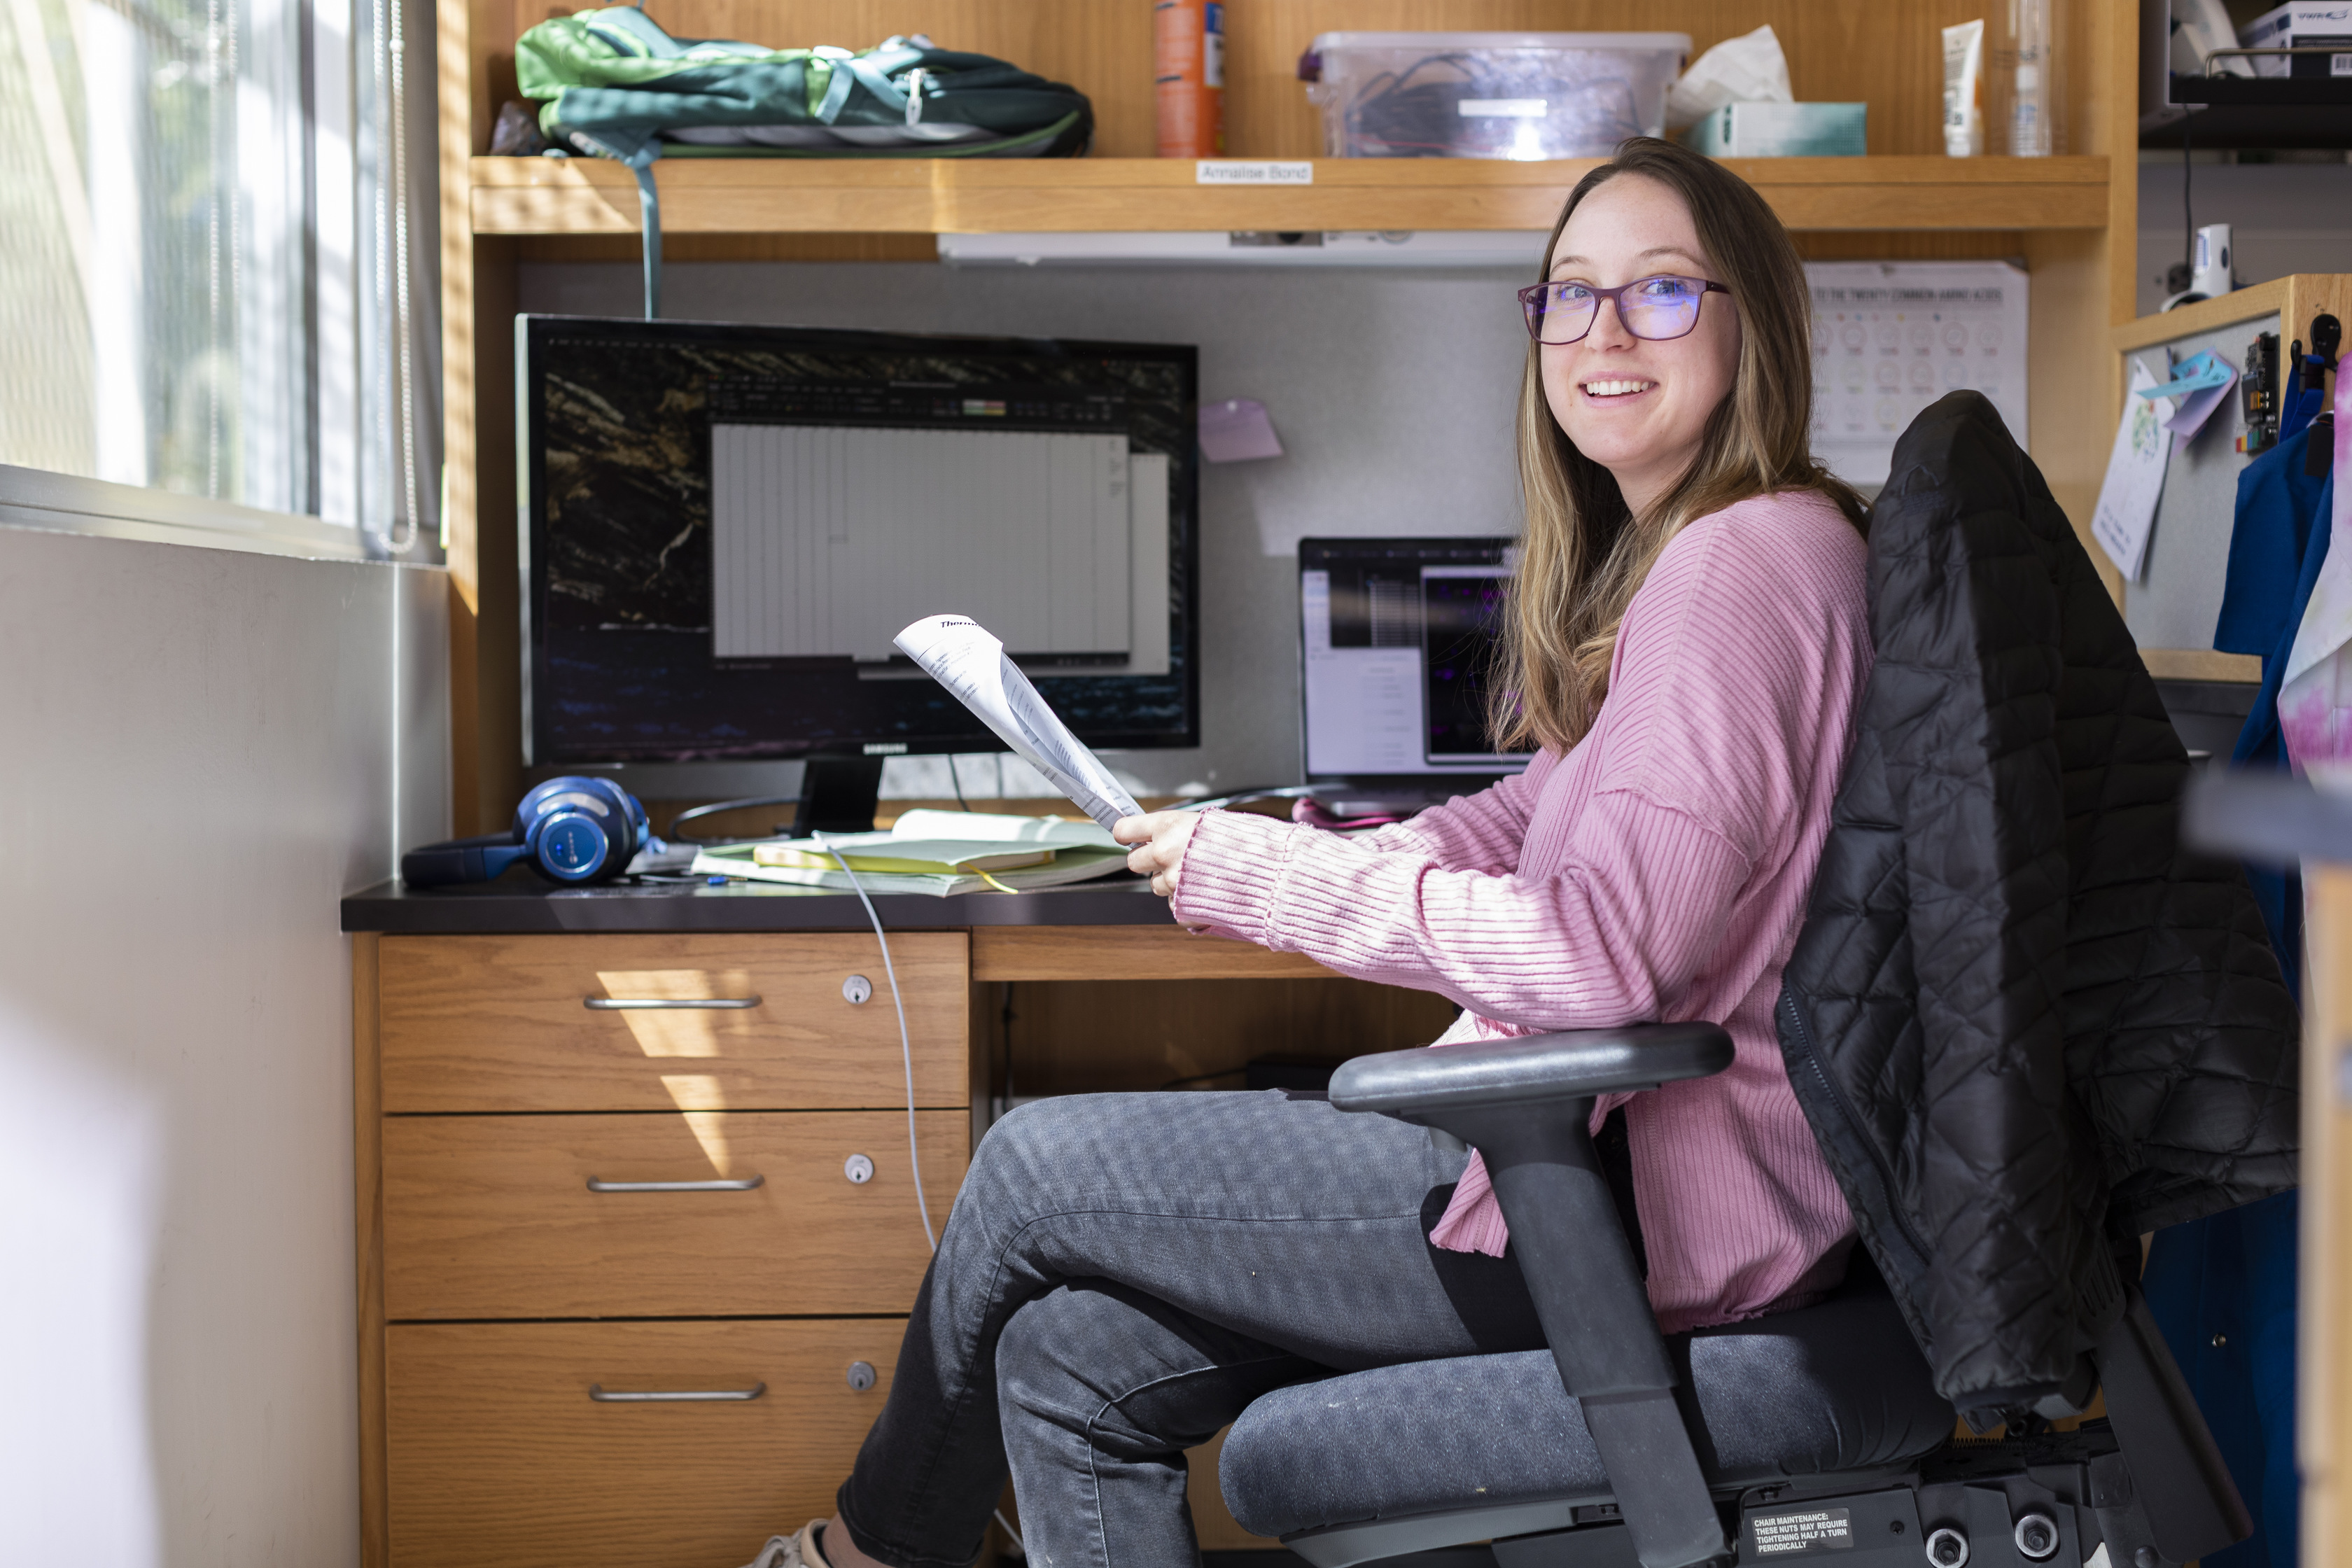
(1533, 309)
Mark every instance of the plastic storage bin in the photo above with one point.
(1490, 94)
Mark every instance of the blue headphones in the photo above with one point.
(572, 830)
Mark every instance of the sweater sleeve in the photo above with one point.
(1634, 908)
(1713, 733)
(1479, 832)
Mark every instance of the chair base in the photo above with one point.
(1983, 1494)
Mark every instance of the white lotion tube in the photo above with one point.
(1964, 89)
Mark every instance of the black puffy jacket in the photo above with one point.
(2024, 1024)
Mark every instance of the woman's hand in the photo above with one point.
(1160, 838)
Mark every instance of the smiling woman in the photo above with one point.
(1122, 1275)
(1635, 422)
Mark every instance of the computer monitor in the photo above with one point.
(724, 526)
(1398, 640)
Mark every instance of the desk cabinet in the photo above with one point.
(499, 1455)
(669, 1023)
(650, 1214)
(503, 1301)
(559, 1133)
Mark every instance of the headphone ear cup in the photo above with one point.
(529, 809)
(640, 822)
(570, 844)
(590, 836)
(630, 830)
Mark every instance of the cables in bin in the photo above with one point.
(905, 1055)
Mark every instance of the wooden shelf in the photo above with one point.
(2296, 297)
(2071, 220)
(756, 195)
(2202, 664)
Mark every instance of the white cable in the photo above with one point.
(905, 1055)
(905, 1048)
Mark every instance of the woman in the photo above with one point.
(1123, 1274)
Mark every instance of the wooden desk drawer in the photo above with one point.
(491, 1216)
(503, 1023)
(498, 1455)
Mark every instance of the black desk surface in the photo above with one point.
(519, 903)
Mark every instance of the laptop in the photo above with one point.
(1398, 641)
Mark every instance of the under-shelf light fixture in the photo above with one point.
(1510, 250)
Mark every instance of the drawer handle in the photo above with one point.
(667, 1003)
(602, 1396)
(739, 1184)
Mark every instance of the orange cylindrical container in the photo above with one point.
(1188, 60)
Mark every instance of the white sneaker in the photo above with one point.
(792, 1551)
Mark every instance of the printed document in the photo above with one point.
(957, 652)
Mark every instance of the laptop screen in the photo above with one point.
(1399, 638)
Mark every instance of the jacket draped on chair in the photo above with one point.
(2024, 1024)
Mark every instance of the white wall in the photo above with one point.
(1392, 392)
(200, 752)
(2283, 217)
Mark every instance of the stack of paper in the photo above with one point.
(934, 852)
(957, 652)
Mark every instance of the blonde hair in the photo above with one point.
(1583, 554)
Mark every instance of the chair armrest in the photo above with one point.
(1524, 1103)
(1576, 1064)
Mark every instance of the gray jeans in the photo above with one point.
(1121, 1277)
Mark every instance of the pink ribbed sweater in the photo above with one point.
(1656, 871)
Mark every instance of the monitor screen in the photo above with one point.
(1399, 638)
(725, 526)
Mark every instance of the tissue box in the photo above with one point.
(2305, 24)
(1781, 130)
(1489, 95)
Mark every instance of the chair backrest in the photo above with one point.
(2014, 988)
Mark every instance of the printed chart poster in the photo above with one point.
(1891, 337)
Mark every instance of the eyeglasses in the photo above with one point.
(1656, 309)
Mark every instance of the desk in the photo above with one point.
(504, 1299)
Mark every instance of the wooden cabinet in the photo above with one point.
(692, 1213)
(559, 1202)
(506, 1447)
(669, 1023)
(701, 1135)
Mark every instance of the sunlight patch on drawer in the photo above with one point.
(661, 1032)
(695, 1092)
(710, 1132)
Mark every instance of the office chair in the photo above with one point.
(1804, 1435)
(1806, 1431)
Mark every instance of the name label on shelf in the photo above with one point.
(1252, 172)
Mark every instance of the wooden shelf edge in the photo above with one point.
(549, 196)
(2240, 305)
(2298, 294)
(1382, 173)
(2202, 664)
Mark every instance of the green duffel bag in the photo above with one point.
(615, 85)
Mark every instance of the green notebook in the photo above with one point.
(934, 852)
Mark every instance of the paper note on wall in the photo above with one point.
(1236, 430)
(2198, 387)
(2135, 483)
